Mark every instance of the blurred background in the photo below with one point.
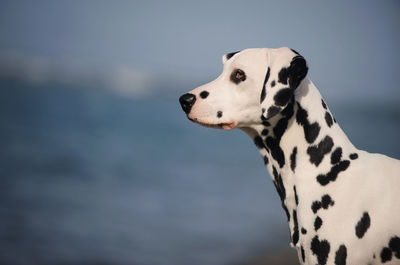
(98, 163)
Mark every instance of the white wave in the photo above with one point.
(121, 79)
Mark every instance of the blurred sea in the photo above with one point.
(91, 177)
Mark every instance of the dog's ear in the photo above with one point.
(286, 69)
(297, 71)
(227, 56)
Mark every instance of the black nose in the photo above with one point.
(187, 100)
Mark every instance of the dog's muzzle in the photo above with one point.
(187, 100)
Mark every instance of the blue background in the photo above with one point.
(98, 164)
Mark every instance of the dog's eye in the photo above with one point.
(238, 76)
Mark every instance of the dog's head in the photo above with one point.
(255, 84)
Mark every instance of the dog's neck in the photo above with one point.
(303, 138)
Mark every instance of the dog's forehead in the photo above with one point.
(247, 57)
(247, 54)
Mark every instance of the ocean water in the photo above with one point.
(90, 177)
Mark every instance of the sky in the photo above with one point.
(351, 46)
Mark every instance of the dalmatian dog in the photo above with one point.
(342, 203)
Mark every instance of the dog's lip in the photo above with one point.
(222, 125)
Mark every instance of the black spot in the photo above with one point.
(324, 179)
(341, 255)
(219, 114)
(283, 76)
(273, 83)
(363, 225)
(265, 132)
(328, 119)
(266, 123)
(296, 198)
(320, 249)
(394, 245)
(286, 211)
(293, 159)
(204, 94)
(316, 205)
(289, 110)
(280, 128)
(283, 96)
(280, 188)
(230, 55)
(302, 254)
(279, 184)
(353, 156)
(317, 223)
(294, 51)
(323, 104)
(318, 152)
(336, 156)
(275, 172)
(276, 151)
(295, 236)
(303, 231)
(259, 142)
(326, 201)
(311, 131)
(263, 92)
(272, 111)
(262, 110)
(386, 254)
(266, 161)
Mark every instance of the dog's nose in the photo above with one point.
(187, 100)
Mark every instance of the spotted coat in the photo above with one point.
(341, 203)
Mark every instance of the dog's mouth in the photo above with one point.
(223, 125)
